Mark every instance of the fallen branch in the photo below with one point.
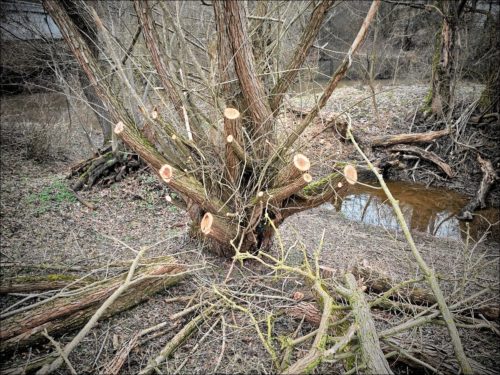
(67, 313)
(368, 339)
(377, 282)
(489, 178)
(429, 274)
(176, 341)
(388, 140)
(28, 284)
(114, 366)
(428, 155)
(102, 310)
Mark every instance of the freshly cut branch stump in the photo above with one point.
(351, 174)
(68, 313)
(237, 149)
(231, 114)
(140, 144)
(217, 228)
(190, 187)
(300, 164)
(316, 193)
(214, 168)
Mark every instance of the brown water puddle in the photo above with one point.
(425, 210)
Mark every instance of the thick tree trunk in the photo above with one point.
(234, 187)
(444, 63)
(89, 33)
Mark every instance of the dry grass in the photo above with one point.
(47, 127)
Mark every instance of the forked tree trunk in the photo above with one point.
(229, 169)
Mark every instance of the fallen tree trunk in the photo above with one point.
(68, 313)
(489, 178)
(427, 155)
(28, 284)
(388, 140)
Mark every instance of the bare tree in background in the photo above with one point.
(444, 63)
(214, 138)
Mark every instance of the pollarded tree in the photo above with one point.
(217, 140)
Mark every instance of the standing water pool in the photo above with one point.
(426, 210)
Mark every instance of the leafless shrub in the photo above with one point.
(40, 141)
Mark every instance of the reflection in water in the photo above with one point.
(425, 210)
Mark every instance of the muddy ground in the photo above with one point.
(41, 222)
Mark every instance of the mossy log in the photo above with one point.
(68, 313)
(372, 354)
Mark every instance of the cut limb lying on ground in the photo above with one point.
(228, 167)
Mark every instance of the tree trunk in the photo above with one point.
(490, 98)
(241, 179)
(444, 63)
(387, 140)
(89, 33)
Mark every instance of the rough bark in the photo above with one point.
(444, 63)
(88, 31)
(153, 44)
(299, 164)
(388, 140)
(372, 355)
(28, 284)
(250, 83)
(68, 313)
(243, 201)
